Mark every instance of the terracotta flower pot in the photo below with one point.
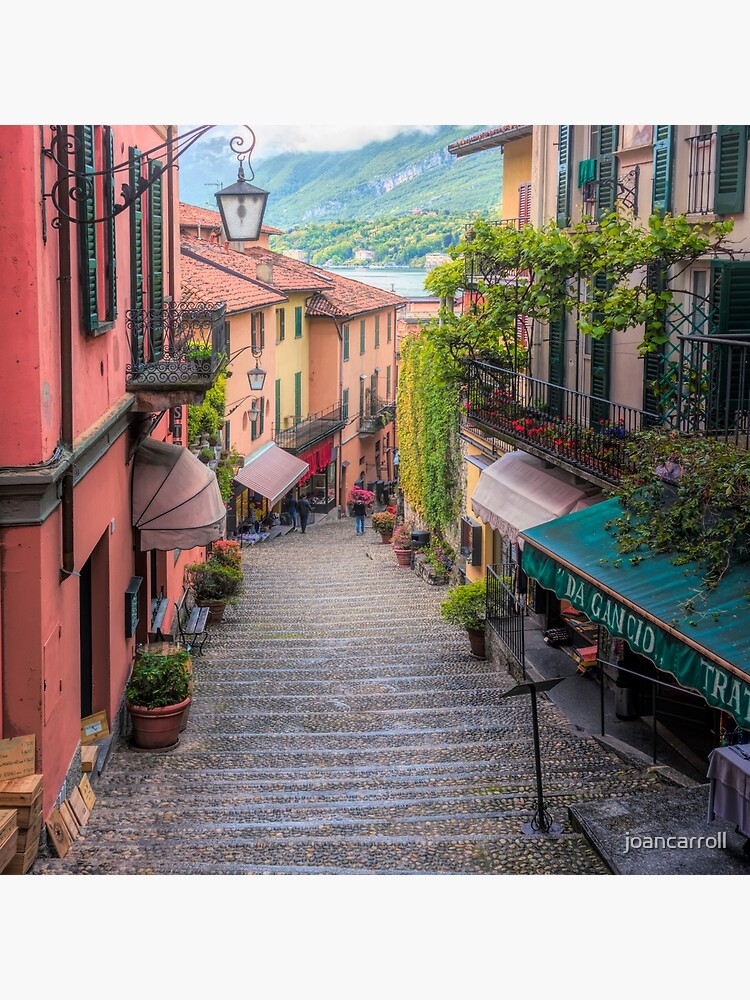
(386, 536)
(403, 557)
(216, 610)
(477, 643)
(157, 728)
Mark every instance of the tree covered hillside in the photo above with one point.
(401, 240)
(411, 172)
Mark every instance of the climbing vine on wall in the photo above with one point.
(427, 418)
(208, 418)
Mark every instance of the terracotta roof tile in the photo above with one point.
(192, 215)
(492, 137)
(215, 274)
(348, 297)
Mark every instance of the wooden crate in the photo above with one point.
(27, 836)
(8, 821)
(22, 861)
(88, 758)
(8, 845)
(17, 757)
(21, 791)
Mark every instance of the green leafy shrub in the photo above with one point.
(466, 605)
(214, 581)
(159, 678)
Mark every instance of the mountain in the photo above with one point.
(411, 172)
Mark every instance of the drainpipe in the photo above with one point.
(66, 364)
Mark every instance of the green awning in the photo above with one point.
(644, 604)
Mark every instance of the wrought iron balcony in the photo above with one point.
(583, 432)
(377, 413)
(316, 427)
(180, 347)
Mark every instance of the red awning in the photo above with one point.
(272, 472)
(176, 500)
(317, 458)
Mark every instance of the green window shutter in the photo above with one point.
(377, 331)
(346, 341)
(361, 397)
(661, 200)
(298, 395)
(261, 419)
(653, 362)
(564, 164)
(601, 351)
(262, 331)
(345, 405)
(556, 373)
(388, 383)
(109, 200)
(361, 336)
(277, 418)
(297, 322)
(730, 289)
(606, 189)
(85, 165)
(156, 259)
(388, 329)
(731, 167)
(373, 393)
(136, 259)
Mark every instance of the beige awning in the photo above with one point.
(272, 472)
(176, 502)
(517, 492)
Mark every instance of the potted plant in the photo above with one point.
(466, 605)
(206, 454)
(158, 695)
(218, 581)
(384, 522)
(401, 543)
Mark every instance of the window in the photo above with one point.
(362, 395)
(377, 331)
(661, 192)
(388, 329)
(388, 383)
(297, 322)
(280, 325)
(96, 242)
(277, 417)
(345, 405)
(258, 331)
(361, 336)
(564, 170)
(471, 541)
(156, 261)
(297, 396)
(346, 341)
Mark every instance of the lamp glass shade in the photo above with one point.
(242, 206)
(253, 413)
(256, 377)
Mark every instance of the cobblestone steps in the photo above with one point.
(340, 726)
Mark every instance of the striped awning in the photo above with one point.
(271, 472)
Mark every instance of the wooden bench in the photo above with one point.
(191, 623)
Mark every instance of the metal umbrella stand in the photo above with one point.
(540, 825)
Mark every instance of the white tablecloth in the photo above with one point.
(729, 790)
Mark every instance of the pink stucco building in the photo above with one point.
(95, 360)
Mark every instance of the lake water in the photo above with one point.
(406, 281)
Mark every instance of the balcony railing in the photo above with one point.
(182, 346)
(312, 430)
(585, 432)
(376, 414)
(705, 382)
(701, 174)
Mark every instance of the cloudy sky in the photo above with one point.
(272, 139)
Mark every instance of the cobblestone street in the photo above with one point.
(338, 725)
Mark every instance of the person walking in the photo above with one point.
(359, 509)
(304, 513)
(293, 510)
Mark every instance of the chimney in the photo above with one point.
(264, 272)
